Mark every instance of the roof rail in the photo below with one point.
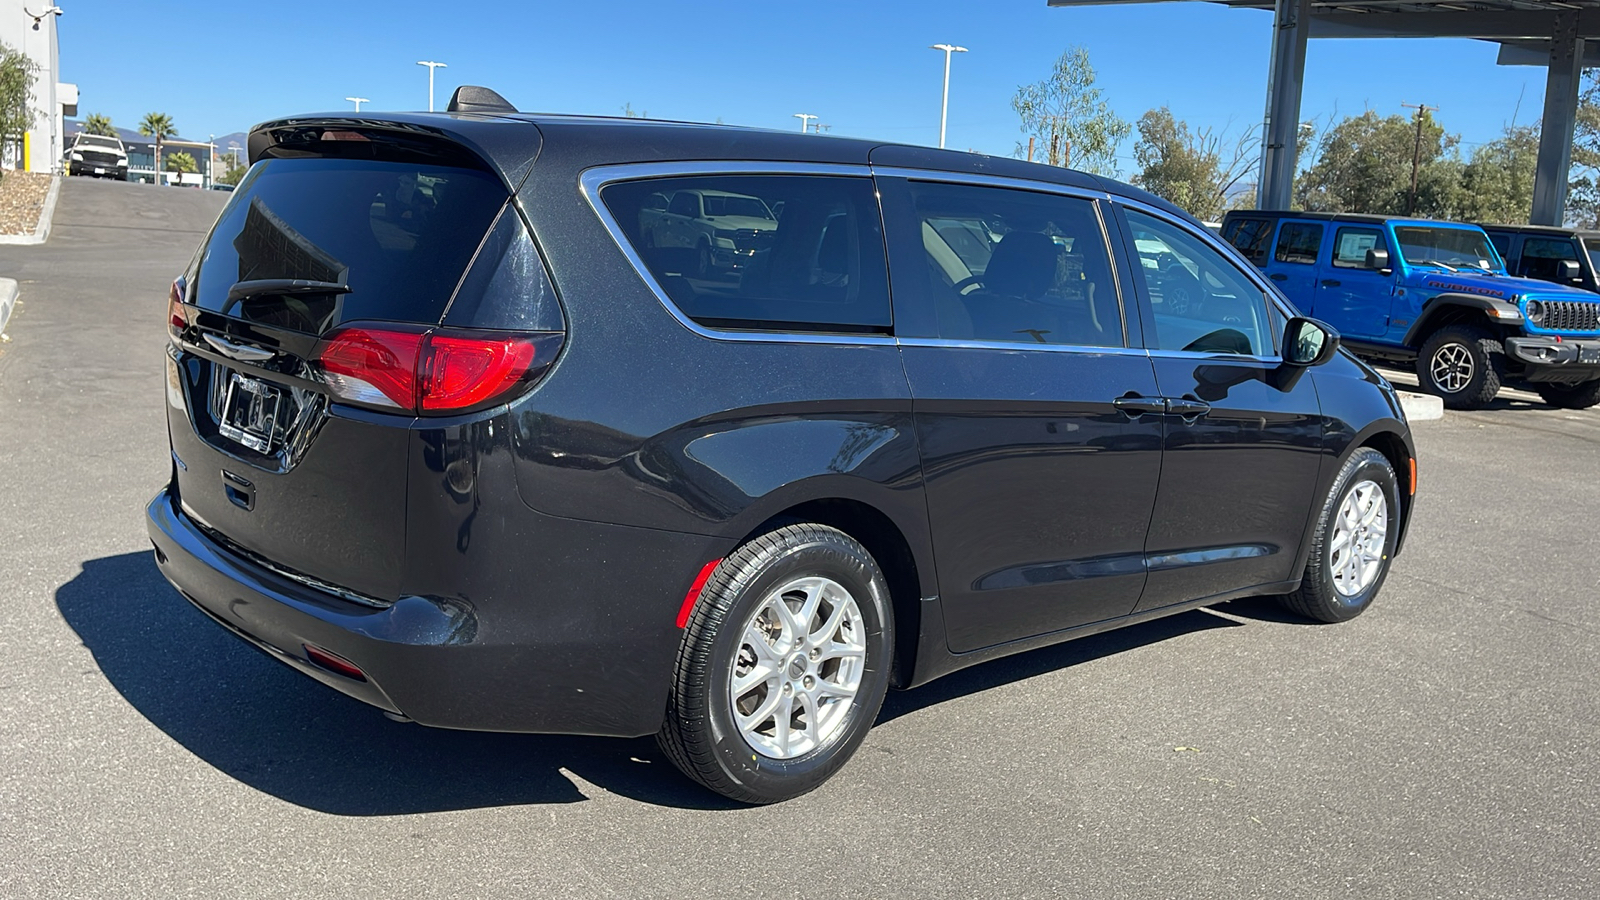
(471, 98)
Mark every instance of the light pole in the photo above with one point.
(805, 120)
(358, 101)
(431, 66)
(944, 105)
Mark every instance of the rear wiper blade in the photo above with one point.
(261, 286)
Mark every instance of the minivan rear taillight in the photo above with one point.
(431, 370)
(177, 318)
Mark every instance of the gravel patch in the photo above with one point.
(22, 200)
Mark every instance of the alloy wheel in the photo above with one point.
(801, 657)
(1360, 530)
(1452, 368)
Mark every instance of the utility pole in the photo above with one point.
(805, 121)
(1416, 154)
(431, 66)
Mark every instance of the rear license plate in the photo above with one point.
(250, 413)
(1589, 355)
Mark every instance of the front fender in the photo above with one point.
(1495, 309)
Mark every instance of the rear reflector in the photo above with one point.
(699, 585)
(335, 664)
(431, 370)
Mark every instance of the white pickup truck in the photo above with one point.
(97, 155)
(723, 229)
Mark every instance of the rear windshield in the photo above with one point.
(397, 235)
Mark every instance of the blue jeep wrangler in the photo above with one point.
(1431, 293)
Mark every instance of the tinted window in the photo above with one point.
(1016, 266)
(399, 235)
(1250, 237)
(683, 204)
(1542, 257)
(1298, 242)
(1201, 302)
(1350, 246)
(820, 268)
(1501, 242)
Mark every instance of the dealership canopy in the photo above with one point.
(1549, 33)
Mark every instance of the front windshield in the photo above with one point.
(735, 205)
(1450, 248)
(90, 140)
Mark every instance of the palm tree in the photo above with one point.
(182, 162)
(98, 124)
(159, 126)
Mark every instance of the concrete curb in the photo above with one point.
(41, 231)
(1421, 407)
(8, 301)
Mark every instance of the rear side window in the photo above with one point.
(1298, 243)
(766, 252)
(396, 237)
(1016, 266)
(1250, 237)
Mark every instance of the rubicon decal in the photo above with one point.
(1466, 288)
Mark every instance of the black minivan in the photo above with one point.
(617, 427)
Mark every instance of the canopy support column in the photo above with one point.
(1280, 144)
(1560, 118)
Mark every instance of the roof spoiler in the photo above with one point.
(471, 98)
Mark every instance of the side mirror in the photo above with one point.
(1378, 258)
(1308, 342)
(1568, 271)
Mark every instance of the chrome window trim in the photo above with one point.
(1086, 349)
(1230, 253)
(1038, 187)
(999, 181)
(591, 181)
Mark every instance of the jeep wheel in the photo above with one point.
(1354, 541)
(1463, 365)
(1570, 396)
(783, 666)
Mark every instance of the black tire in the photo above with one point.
(1482, 362)
(1570, 396)
(700, 734)
(1318, 598)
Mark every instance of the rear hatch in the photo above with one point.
(307, 332)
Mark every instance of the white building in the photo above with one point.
(30, 26)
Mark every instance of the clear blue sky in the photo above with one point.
(864, 67)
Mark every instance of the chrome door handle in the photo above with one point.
(1135, 406)
(1187, 408)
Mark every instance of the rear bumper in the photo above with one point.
(1550, 359)
(436, 661)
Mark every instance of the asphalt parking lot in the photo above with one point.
(1443, 745)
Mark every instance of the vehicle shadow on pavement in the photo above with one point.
(281, 733)
(1022, 666)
